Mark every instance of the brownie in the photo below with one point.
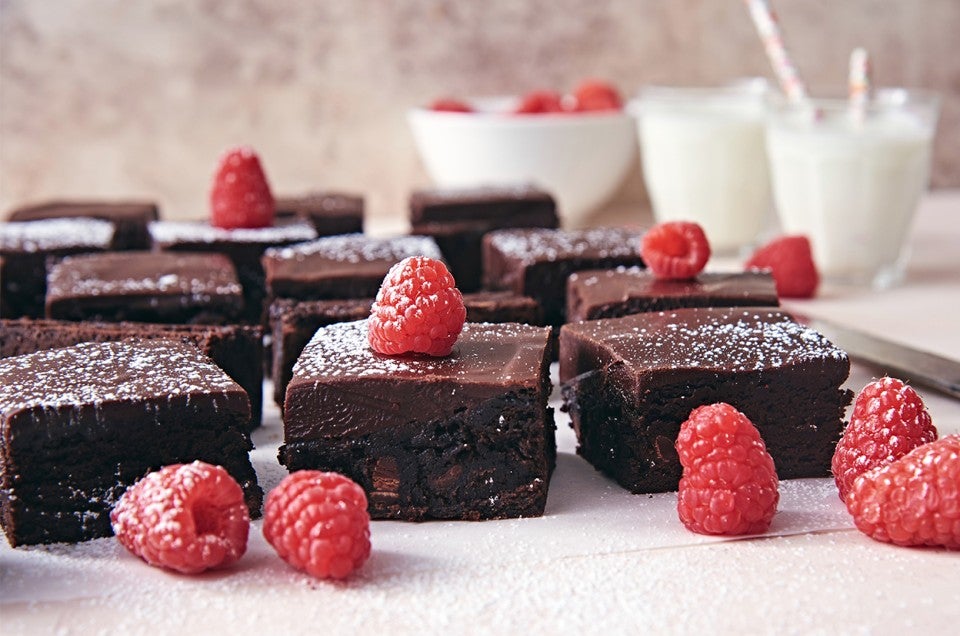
(329, 212)
(537, 262)
(161, 287)
(236, 349)
(345, 266)
(243, 246)
(628, 384)
(25, 248)
(467, 436)
(130, 218)
(610, 293)
(293, 323)
(457, 219)
(80, 424)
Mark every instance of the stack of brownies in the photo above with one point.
(130, 342)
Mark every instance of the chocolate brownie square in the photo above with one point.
(329, 212)
(293, 323)
(243, 246)
(25, 248)
(537, 262)
(161, 287)
(345, 266)
(467, 436)
(457, 219)
(237, 349)
(130, 218)
(79, 425)
(610, 293)
(628, 384)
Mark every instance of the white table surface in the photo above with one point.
(600, 560)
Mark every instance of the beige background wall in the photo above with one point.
(127, 97)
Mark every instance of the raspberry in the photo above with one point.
(240, 196)
(185, 517)
(537, 102)
(318, 522)
(790, 261)
(675, 250)
(418, 310)
(448, 105)
(889, 420)
(914, 500)
(729, 483)
(596, 95)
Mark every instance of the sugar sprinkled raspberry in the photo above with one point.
(240, 196)
(729, 484)
(790, 261)
(418, 309)
(914, 500)
(675, 249)
(889, 420)
(318, 522)
(185, 517)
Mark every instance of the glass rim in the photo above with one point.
(744, 87)
(836, 98)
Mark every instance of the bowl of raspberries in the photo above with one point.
(577, 145)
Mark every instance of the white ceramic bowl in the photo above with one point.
(580, 158)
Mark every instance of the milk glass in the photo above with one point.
(704, 159)
(852, 181)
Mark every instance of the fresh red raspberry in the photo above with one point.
(914, 500)
(538, 102)
(318, 522)
(791, 262)
(889, 420)
(449, 105)
(240, 196)
(418, 309)
(729, 483)
(592, 95)
(185, 517)
(675, 249)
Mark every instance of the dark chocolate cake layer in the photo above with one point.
(537, 262)
(630, 382)
(25, 248)
(610, 293)
(467, 436)
(130, 218)
(237, 349)
(457, 219)
(243, 246)
(329, 212)
(163, 287)
(79, 425)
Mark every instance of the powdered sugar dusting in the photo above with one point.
(172, 232)
(94, 373)
(53, 234)
(482, 352)
(161, 273)
(359, 248)
(532, 245)
(729, 339)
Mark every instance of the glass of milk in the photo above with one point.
(704, 159)
(851, 181)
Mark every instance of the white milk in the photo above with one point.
(850, 186)
(704, 160)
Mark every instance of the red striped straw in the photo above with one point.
(767, 26)
(859, 85)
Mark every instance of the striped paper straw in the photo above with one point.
(769, 30)
(859, 86)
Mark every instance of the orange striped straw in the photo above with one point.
(765, 20)
(859, 85)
